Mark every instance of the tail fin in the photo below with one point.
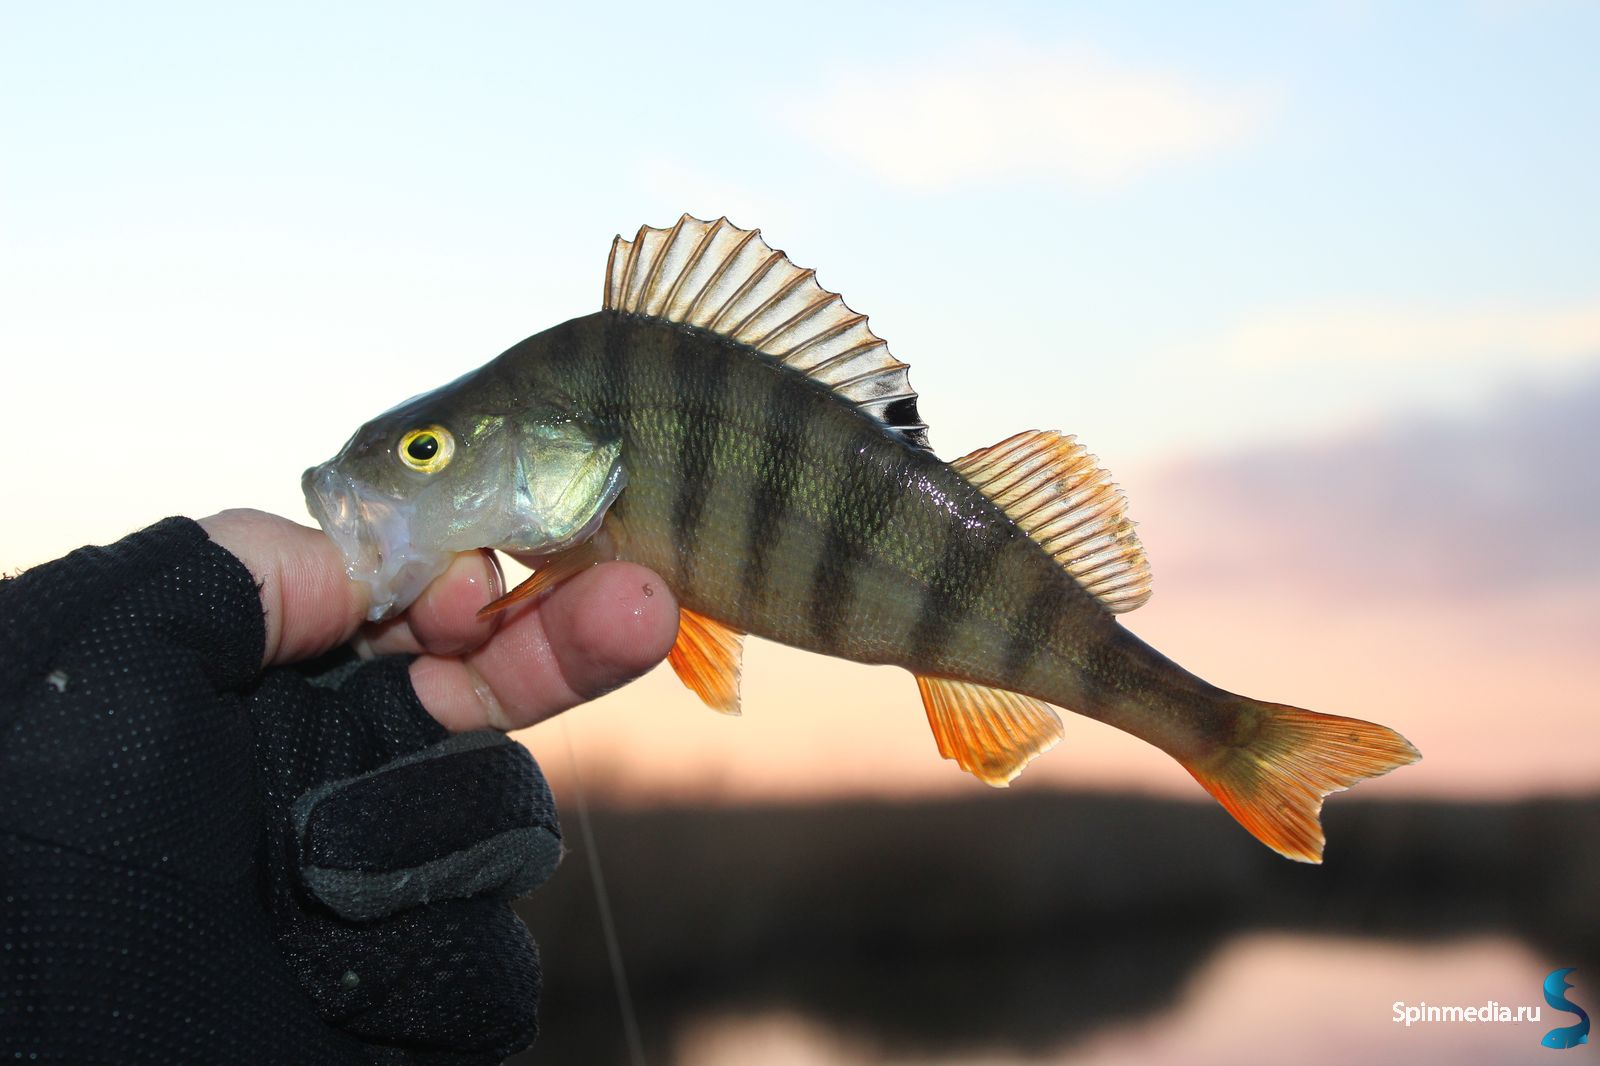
(1274, 781)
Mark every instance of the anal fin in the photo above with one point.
(991, 733)
(706, 657)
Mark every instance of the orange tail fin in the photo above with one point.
(1274, 781)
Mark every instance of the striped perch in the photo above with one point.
(732, 425)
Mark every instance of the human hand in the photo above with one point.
(594, 633)
(210, 856)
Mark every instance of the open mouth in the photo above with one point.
(373, 532)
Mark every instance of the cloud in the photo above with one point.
(1508, 501)
(1005, 111)
(1368, 334)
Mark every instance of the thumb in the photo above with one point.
(310, 605)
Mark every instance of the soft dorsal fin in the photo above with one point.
(1056, 491)
(726, 280)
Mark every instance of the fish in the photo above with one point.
(735, 427)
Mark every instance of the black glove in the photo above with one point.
(202, 862)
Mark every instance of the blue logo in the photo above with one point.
(1555, 988)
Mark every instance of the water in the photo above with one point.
(1057, 929)
(1269, 998)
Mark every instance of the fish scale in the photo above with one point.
(729, 423)
(947, 579)
(826, 537)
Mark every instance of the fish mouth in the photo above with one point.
(373, 533)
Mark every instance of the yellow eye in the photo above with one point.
(427, 450)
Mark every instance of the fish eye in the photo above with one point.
(427, 449)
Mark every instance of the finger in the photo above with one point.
(444, 619)
(309, 603)
(593, 634)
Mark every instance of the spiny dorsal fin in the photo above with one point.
(706, 657)
(726, 280)
(990, 732)
(1055, 490)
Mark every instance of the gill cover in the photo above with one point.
(519, 482)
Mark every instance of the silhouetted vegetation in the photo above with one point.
(1021, 919)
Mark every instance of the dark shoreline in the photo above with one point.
(964, 922)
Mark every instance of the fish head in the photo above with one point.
(440, 474)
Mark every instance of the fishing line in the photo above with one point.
(619, 977)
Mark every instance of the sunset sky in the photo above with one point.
(1320, 286)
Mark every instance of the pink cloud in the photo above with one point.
(1424, 507)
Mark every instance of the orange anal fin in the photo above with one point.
(1274, 782)
(990, 733)
(706, 657)
(551, 572)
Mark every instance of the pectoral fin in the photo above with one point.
(706, 657)
(548, 575)
(990, 733)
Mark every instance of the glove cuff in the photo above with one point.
(471, 816)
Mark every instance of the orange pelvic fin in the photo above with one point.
(1274, 781)
(990, 733)
(706, 657)
(551, 572)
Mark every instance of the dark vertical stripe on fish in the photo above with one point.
(779, 464)
(1034, 626)
(614, 362)
(571, 342)
(700, 390)
(857, 513)
(564, 340)
(971, 552)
